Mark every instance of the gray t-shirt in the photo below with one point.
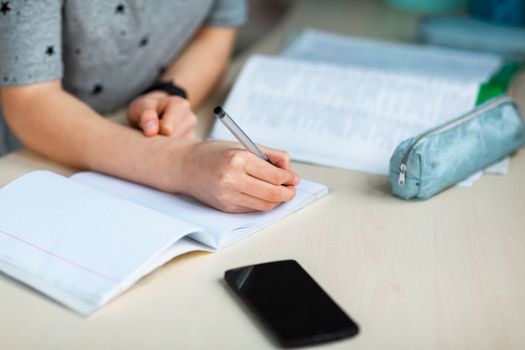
(106, 52)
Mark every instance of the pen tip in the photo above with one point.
(219, 111)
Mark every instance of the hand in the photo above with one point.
(229, 178)
(158, 113)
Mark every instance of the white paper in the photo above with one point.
(422, 60)
(339, 116)
(454, 64)
(69, 239)
(83, 246)
(499, 168)
(224, 228)
(469, 181)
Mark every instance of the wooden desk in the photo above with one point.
(448, 273)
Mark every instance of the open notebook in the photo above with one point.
(348, 102)
(85, 239)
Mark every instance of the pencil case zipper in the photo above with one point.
(403, 167)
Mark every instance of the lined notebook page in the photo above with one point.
(339, 116)
(224, 227)
(76, 239)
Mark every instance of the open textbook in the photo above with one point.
(85, 239)
(348, 102)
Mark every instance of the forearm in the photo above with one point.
(202, 63)
(56, 124)
(52, 122)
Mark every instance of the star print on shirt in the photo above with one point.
(120, 9)
(5, 8)
(144, 41)
(50, 51)
(97, 89)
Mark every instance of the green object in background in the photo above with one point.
(430, 6)
(498, 83)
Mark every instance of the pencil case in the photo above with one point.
(440, 157)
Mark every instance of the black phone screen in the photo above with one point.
(290, 303)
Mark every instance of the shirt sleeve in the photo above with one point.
(30, 42)
(228, 13)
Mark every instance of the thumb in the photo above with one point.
(149, 122)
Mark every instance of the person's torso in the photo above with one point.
(113, 50)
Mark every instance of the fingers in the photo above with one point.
(143, 114)
(156, 113)
(250, 203)
(278, 158)
(183, 131)
(267, 192)
(231, 179)
(139, 105)
(177, 120)
(149, 122)
(267, 172)
(253, 192)
(243, 203)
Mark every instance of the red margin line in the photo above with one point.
(59, 257)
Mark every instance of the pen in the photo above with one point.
(238, 133)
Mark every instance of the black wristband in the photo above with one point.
(168, 87)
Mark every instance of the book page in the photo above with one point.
(339, 116)
(70, 239)
(225, 228)
(455, 64)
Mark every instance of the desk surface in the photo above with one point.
(448, 273)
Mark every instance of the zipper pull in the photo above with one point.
(402, 173)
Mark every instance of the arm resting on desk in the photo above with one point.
(54, 123)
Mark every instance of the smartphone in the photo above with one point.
(295, 309)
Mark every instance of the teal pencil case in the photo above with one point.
(440, 157)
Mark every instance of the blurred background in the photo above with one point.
(483, 25)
